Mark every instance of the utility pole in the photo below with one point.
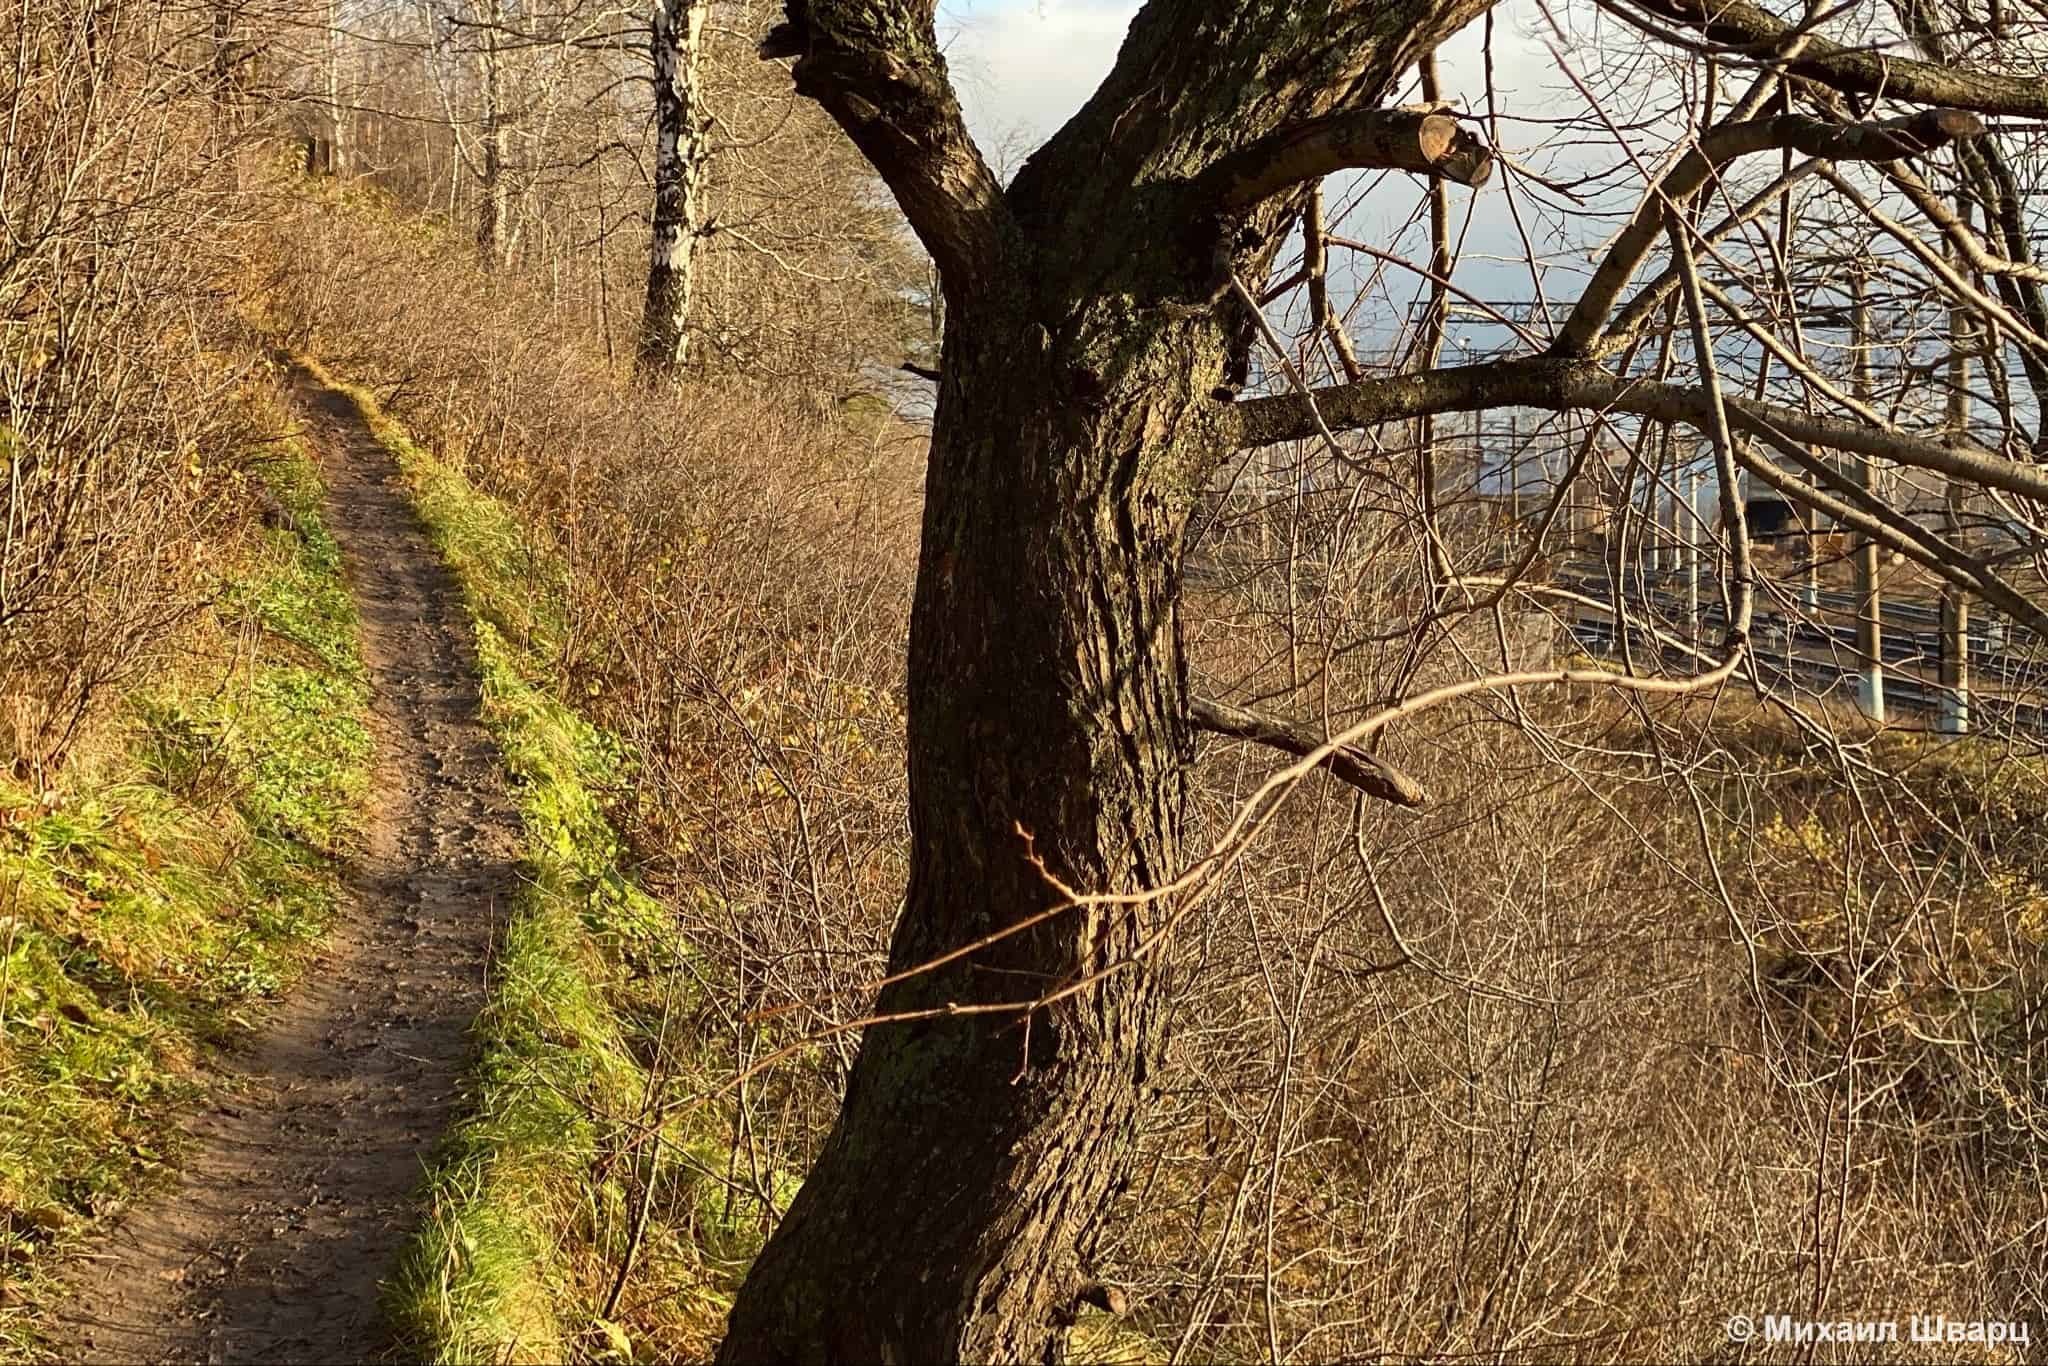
(1663, 552)
(1955, 604)
(1869, 606)
(1514, 468)
(1689, 552)
(1810, 590)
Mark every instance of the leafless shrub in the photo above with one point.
(120, 418)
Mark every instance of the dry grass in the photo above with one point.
(1660, 1012)
(1697, 1007)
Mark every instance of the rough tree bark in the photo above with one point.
(680, 157)
(496, 196)
(951, 1214)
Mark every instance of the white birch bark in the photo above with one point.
(681, 154)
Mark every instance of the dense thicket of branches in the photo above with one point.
(114, 401)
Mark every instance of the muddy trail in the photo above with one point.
(293, 1196)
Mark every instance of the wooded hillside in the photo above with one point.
(664, 698)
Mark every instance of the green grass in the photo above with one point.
(170, 884)
(553, 1076)
(531, 1198)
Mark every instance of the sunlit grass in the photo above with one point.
(168, 885)
(533, 1195)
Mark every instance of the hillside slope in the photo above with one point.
(295, 1174)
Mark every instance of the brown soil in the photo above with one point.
(293, 1195)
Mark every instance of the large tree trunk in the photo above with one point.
(951, 1215)
(948, 1216)
(680, 157)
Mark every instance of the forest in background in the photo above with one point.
(1603, 984)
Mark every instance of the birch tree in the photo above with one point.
(489, 164)
(681, 154)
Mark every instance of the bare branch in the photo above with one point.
(1740, 24)
(1637, 312)
(1859, 511)
(1372, 776)
(1959, 234)
(1956, 283)
(1428, 144)
(1315, 265)
(1734, 519)
(1890, 140)
(1561, 383)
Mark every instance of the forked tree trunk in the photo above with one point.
(680, 162)
(953, 1212)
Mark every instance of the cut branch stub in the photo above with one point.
(1430, 144)
(1371, 775)
(1890, 140)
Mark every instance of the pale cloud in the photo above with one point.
(1024, 68)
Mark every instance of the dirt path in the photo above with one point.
(293, 1198)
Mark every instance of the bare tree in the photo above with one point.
(494, 185)
(1097, 316)
(117, 213)
(338, 156)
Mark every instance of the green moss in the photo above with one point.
(485, 1272)
(150, 903)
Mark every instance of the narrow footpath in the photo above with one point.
(293, 1196)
